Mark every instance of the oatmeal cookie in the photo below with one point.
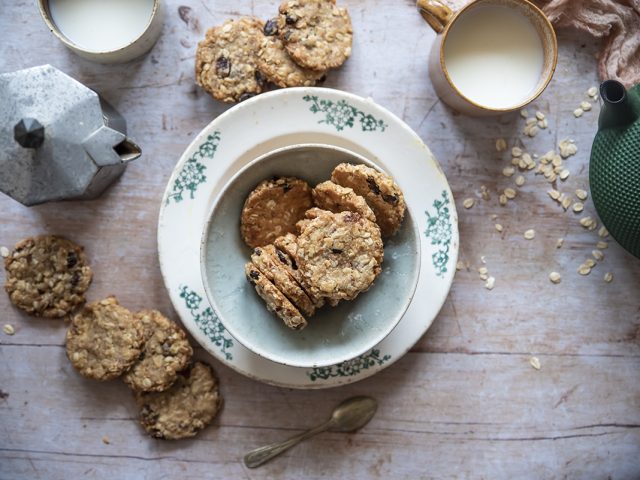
(273, 208)
(104, 340)
(189, 405)
(276, 64)
(269, 261)
(336, 198)
(166, 351)
(339, 254)
(378, 189)
(226, 60)
(316, 33)
(47, 276)
(274, 298)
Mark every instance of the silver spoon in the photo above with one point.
(350, 415)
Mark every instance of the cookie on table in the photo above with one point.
(166, 351)
(47, 276)
(276, 64)
(104, 340)
(316, 33)
(379, 190)
(275, 300)
(188, 406)
(273, 208)
(339, 254)
(226, 60)
(272, 264)
(336, 198)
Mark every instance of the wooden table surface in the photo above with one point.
(464, 403)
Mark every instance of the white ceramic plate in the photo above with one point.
(277, 119)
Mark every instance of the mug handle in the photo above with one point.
(435, 13)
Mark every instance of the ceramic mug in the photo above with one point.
(491, 56)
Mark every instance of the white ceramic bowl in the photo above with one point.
(334, 334)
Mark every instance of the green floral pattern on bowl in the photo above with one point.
(349, 368)
(439, 230)
(341, 114)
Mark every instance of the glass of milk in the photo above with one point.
(105, 31)
(490, 57)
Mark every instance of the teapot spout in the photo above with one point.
(127, 150)
(619, 108)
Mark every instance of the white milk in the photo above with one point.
(494, 56)
(101, 25)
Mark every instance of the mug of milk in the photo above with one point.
(105, 31)
(490, 57)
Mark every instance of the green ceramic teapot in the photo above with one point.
(614, 169)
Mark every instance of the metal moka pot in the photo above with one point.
(58, 139)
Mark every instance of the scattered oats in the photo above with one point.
(557, 169)
(484, 193)
(490, 283)
(499, 227)
(578, 207)
(519, 180)
(530, 121)
(547, 157)
(555, 194)
(592, 92)
(567, 148)
(8, 329)
(493, 216)
(598, 255)
(531, 130)
(539, 115)
(603, 232)
(503, 199)
(551, 178)
(543, 123)
(508, 171)
(4, 251)
(468, 202)
(556, 161)
(484, 276)
(483, 259)
(535, 362)
(555, 277)
(526, 158)
(566, 203)
(590, 262)
(524, 113)
(501, 144)
(510, 193)
(581, 194)
(578, 112)
(106, 440)
(585, 106)
(608, 277)
(460, 265)
(516, 152)
(530, 234)
(584, 270)
(602, 245)
(559, 242)
(515, 161)
(483, 270)
(586, 222)
(564, 174)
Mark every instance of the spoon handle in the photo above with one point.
(261, 455)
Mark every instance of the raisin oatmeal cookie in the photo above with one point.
(335, 198)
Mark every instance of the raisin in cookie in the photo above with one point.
(226, 60)
(275, 300)
(336, 198)
(273, 208)
(192, 402)
(378, 189)
(47, 276)
(277, 65)
(104, 340)
(166, 351)
(339, 254)
(317, 34)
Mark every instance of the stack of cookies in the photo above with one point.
(320, 245)
(297, 48)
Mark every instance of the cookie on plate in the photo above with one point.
(276, 64)
(273, 208)
(104, 340)
(378, 189)
(189, 405)
(166, 351)
(226, 60)
(339, 254)
(47, 276)
(316, 33)
(269, 261)
(336, 198)
(275, 300)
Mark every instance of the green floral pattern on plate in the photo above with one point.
(439, 230)
(192, 173)
(349, 368)
(340, 114)
(207, 321)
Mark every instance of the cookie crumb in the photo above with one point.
(8, 329)
(4, 252)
